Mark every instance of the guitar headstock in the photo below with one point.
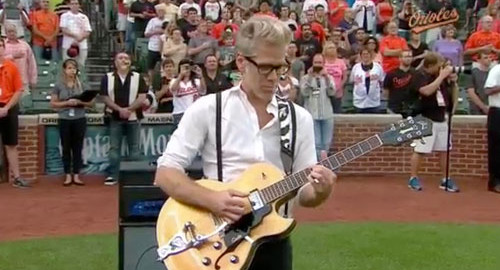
(407, 130)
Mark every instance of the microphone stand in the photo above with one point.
(448, 140)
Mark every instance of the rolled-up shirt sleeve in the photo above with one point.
(189, 137)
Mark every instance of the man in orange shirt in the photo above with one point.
(484, 41)
(11, 87)
(391, 47)
(45, 25)
(218, 30)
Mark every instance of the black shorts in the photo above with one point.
(9, 126)
(153, 58)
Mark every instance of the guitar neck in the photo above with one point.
(293, 182)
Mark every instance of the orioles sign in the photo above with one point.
(420, 22)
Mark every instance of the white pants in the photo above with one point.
(435, 142)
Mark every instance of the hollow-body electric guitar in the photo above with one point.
(192, 238)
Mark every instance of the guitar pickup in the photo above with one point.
(255, 200)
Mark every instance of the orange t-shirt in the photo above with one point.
(390, 63)
(46, 23)
(386, 11)
(480, 39)
(336, 18)
(10, 81)
(218, 30)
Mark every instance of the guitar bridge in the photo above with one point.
(180, 242)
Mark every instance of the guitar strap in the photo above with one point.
(288, 133)
(218, 136)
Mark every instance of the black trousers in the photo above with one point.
(494, 146)
(72, 133)
(275, 255)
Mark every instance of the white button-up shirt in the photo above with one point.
(493, 80)
(243, 142)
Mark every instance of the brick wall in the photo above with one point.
(29, 147)
(468, 158)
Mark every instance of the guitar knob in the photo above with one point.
(217, 245)
(422, 141)
(206, 261)
(234, 259)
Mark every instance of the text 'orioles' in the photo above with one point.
(420, 22)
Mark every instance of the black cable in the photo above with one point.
(142, 255)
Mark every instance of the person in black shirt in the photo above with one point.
(142, 11)
(214, 79)
(437, 86)
(475, 9)
(308, 46)
(398, 86)
(124, 97)
(188, 25)
(418, 48)
(163, 95)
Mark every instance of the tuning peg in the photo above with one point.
(413, 144)
(422, 141)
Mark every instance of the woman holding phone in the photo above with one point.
(72, 120)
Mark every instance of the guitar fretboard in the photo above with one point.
(293, 182)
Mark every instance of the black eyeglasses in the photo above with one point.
(265, 70)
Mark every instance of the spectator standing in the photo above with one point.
(153, 32)
(391, 47)
(142, 11)
(449, 47)
(164, 96)
(418, 48)
(364, 11)
(367, 78)
(21, 54)
(475, 88)
(297, 67)
(316, 88)
(202, 44)
(72, 120)
(226, 54)
(483, 41)
(212, 10)
(398, 86)
(188, 25)
(174, 47)
(337, 69)
(308, 46)
(336, 9)
(45, 27)
(190, 4)
(384, 14)
(214, 79)
(223, 25)
(124, 92)
(20, 22)
(76, 30)
(187, 87)
(12, 87)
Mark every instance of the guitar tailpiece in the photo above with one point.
(179, 242)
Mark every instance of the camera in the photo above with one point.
(466, 69)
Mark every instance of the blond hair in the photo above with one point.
(261, 29)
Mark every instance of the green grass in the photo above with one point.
(343, 246)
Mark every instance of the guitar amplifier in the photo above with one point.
(140, 203)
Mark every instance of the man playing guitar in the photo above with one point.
(250, 131)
